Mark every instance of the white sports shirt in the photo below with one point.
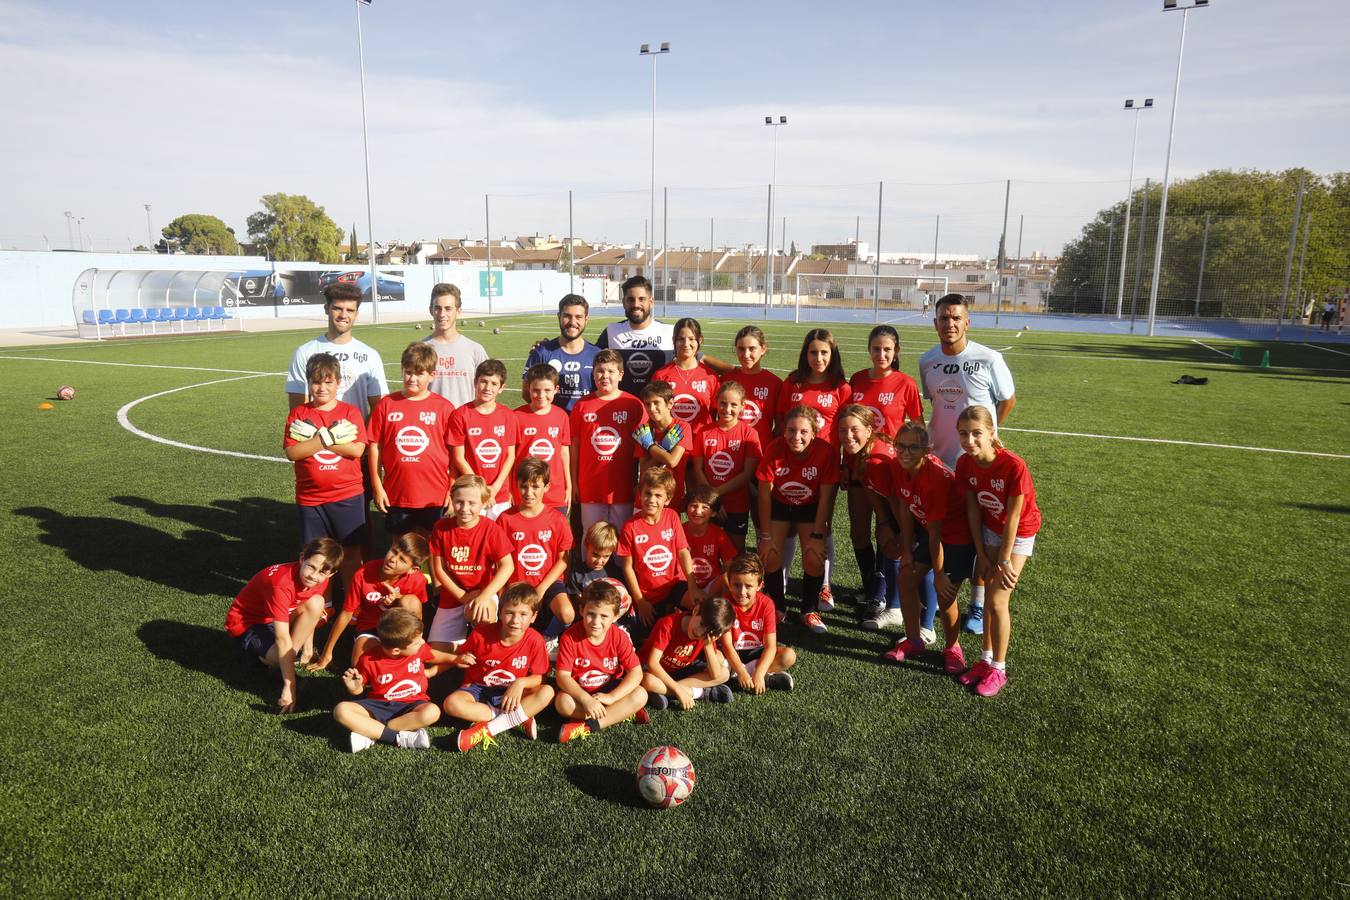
(975, 376)
(362, 371)
(456, 361)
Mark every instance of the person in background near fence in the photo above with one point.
(644, 343)
(362, 381)
(571, 355)
(457, 357)
(956, 374)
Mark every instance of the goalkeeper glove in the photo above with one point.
(643, 435)
(674, 435)
(301, 430)
(325, 437)
(342, 431)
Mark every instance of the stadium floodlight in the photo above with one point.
(1168, 6)
(149, 228)
(70, 230)
(1129, 201)
(773, 191)
(365, 150)
(646, 50)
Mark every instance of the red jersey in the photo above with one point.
(270, 596)
(695, 393)
(655, 550)
(797, 480)
(682, 467)
(537, 543)
(485, 438)
(469, 554)
(761, 400)
(824, 399)
(414, 440)
(878, 467)
(368, 592)
(596, 665)
(543, 437)
(893, 398)
(995, 485)
(326, 476)
(934, 495)
(497, 665)
(711, 552)
(753, 626)
(395, 678)
(677, 648)
(722, 455)
(602, 438)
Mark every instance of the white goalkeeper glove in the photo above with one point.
(301, 430)
(342, 431)
(325, 437)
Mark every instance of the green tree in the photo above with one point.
(294, 227)
(1224, 248)
(351, 245)
(198, 233)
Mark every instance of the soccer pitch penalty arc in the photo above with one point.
(124, 419)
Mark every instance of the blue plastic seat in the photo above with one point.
(123, 316)
(89, 317)
(106, 317)
(137, 316)
(224, 313)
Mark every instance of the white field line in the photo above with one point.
(1144, 440)
(1058, 354)
(97, 362)
(1208, 347)
(1328, 349)
(125, 422)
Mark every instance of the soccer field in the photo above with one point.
(1176, 719)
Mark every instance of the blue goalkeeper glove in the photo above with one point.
(673, 437)
(643, 435)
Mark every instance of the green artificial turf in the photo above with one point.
(1176, 720)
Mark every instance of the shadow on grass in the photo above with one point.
(258, 520)
(213, 560)
(1341, 509)
(212, 652)
(606, 783)
(318, 725)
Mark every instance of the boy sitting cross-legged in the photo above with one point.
(504, 685)
(397, 709)
(671, 654)
(470, 562)
(599, 676)
(751, 646)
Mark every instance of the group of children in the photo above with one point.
(490, 496)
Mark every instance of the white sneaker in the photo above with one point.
(414, 740)
(887, 618)
(361, 742)
(928, 635)
(551, 645)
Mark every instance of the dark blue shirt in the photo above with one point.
(574, 370)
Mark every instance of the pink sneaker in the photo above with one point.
(975, 673)
(954, 660)
(906, 649)
(992, 683)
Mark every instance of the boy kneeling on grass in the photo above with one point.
(397, 711)
(672, 654)
(504, 685)
(276, 612)
(599, 676)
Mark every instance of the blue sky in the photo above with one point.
(197, 107)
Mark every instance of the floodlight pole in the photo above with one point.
(937, 229)
(1129, 201)
(487, 228)
(571, 247)
(712, 260)
(768, 247)
(70, 230)
(876, 271)
(1168, 5)
(149, 228)
(773, 185)
(365, 149)
(1002, 251)
(665, 252)
(645, 50)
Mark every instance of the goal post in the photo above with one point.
(862, 291)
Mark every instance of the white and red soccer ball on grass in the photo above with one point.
(65, 392)
(665, 777)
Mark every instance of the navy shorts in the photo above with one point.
(402, 519)
(923, 553)
(737, 523)
(483, 693)
(958, 561)
(694, 668)
(750, 654)
(342, 520)
(384, 710)
(786, 512)
(258, 639)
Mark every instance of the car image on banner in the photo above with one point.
(255, 287)
(390, 283)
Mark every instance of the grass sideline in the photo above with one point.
(1176, 720)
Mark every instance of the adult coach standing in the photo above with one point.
(645, 344)
(955, 374)
(457, 357)
(362, 381)
(569, 353)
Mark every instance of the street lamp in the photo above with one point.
(365, 149)
(1168, 6)
(79, 230)
(773, 189)
(646, 50)
(1129, 200)
(149, 228)
(70, 231)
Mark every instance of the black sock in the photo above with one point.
(811, 585)
(774, 584)
(593, 725)
(867, 566)
(389, 736)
